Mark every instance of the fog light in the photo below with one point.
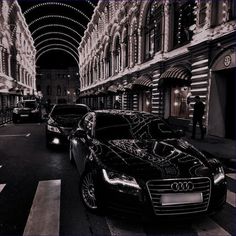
(55, 141)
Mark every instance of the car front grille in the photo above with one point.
(66, 130)
(157, 188)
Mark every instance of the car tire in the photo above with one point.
(87, 191)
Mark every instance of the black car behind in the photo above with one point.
(134, 162)
(27, 110)
(62, 119)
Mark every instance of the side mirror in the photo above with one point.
(180, 133)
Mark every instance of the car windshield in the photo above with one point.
(135, 126)
(29, 104)
(69, 110)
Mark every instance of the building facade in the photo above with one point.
(17, 55)
(157, 55)
(58, 85)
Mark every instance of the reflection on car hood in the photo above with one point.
(66, 120)
(168, 158)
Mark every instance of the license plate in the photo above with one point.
(24, 115)
(180, 198)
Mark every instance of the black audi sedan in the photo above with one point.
(134, 162)
(62, 119)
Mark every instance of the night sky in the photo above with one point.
(57, 58)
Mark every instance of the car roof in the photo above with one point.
(28, 100)
(71, 105)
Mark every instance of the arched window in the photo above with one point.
(125, 50)
(184, 20)
(58, 90)
(153, 29)
(108, 62)
(117, 56)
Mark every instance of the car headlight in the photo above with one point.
(119, 179)
(53, 129)
(219, 175)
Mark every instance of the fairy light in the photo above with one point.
(56, 16)
(55, 32)
(56, 25)
(56, 45)
(58, 4)
(53, 39)
(57, 49)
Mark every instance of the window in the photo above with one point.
(58, 90)
(126, 50)
(180, 101)
(153, 29)
(184, 21)
(117, 56)
(108, 62)
(49, 90)
(231, 9)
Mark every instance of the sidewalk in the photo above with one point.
(220, 148)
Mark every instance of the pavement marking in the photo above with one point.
(207, 227)
(2, 187)
(118, 228)
(231, 175)
(44, 214)
(15, 135)
(231, 198)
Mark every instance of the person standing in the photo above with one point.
(198, 113)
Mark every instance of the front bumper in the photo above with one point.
(139, 203)
(57, 139)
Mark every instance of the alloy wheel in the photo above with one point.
(88, 191)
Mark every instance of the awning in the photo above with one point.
(113, 89)
(175, 76)
(129, 86)
(143, 80)
(120, 88)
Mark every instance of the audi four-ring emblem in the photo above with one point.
(182, 186)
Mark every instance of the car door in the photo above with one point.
(82, 138)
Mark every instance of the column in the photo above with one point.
(9, 65)
(1, 60)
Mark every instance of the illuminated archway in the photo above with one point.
(56, 32)
(59, 17)
(58, 4)
(54, 39)
(56, 45)
(56, 25)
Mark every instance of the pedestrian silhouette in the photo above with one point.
(198, 113)
(116, 104)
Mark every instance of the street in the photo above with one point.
(39, 195)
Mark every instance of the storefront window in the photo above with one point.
(179, 101)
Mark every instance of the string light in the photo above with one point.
(58, 4)
(56, 25)
(56, 45)
(56, 32)
(57, 49)
(56, 16)
(59, 39)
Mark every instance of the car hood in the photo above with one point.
(67, 120)
(169, 158)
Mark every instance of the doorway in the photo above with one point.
(221, 121)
